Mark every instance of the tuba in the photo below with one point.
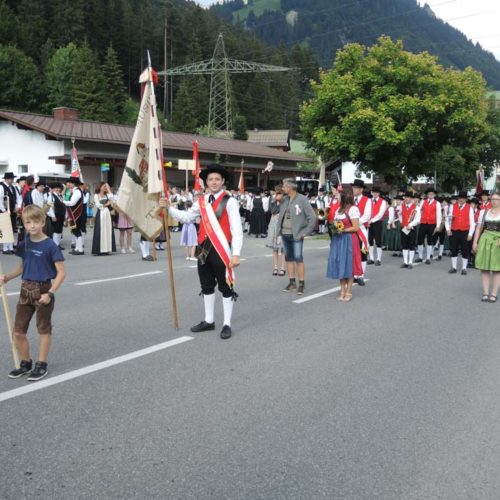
(322, 213)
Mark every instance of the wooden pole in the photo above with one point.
(8, 319)
(170, 269)
(187, 172)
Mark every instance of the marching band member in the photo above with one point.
(430, 220)
(364, 205)
(10, 200)
(74, 208)
(322, 204)
(409, 217)
(441, 230)
(379, 208)
(460, 228)
(57, 212)
(485, 201)
(220, 239)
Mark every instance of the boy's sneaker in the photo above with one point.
(300, 288)
(24, 369)
(40, 370)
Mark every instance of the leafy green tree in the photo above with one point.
(8, 24)
(33, 30)
(398, 114)
(20, 84)
(68, 21)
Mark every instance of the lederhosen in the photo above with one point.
(211, 268)
(10, 192)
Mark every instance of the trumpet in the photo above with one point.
(322, 213)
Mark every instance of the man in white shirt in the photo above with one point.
(218, 249)
(379, 207)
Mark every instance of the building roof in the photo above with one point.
(271, 138)
(86, 130)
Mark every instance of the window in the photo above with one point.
(22, 169)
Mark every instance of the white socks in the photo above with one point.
(56, 237)
(209, 301)
(144, 248)
(379, 254)
(79, 244)
(430, 252)
(227, 304)
(370, 253)
(441, 250)
(421, 251)
(454, 262)
(464, 264)
(405, 256)
(412, 255)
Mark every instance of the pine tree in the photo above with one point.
(116, 97)
(68, 21)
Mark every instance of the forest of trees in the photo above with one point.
(327, 25)
(88, 54)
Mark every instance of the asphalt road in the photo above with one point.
(395, 395)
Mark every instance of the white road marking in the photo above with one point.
(319, 294)
(43, 384)
(128, 276)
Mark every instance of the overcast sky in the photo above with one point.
(479, 20)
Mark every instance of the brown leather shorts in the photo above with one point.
(28, 305)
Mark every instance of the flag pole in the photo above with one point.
(165, 214)
(8, 320)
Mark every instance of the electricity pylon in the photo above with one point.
(219, 68)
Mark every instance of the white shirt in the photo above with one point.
(38, 198)
(75, 197)
(233, 212)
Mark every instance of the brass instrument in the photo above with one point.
(322, 213)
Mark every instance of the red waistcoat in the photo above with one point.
(223, 221)
(460, 218)
(376, 206)
(429, 215)
(406, 213)
(362, 205)
(334, 206)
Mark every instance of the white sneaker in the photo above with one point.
(188, 258)
(194, 258)
(131, 250)
(123, 250)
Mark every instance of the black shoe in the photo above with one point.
(300, 288)
(428, 261)
(72, 245)
(418, 259)
(464, 272)
(395, 254)
(76, 252)
(40, 370)
(61, 248)
(360, 281)
(203, 327)
(403, 266)
(291, 286)
(225, 333)
(148, 258)
(24, 369)
(378, 263)
(370, 262)
(410, 266)
(439, 257)
(452, 271)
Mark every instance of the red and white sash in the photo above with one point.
(217, 237)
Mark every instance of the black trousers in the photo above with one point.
(212, 273)
(441, 236)
(375, 234)
(408, 240)
(458, 241)
(426, 230)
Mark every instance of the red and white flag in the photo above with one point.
(75, 164)
(196, 171)
(339, 187)
(479, 181)
(241, 182)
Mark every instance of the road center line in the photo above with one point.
(319, 294)
(128, 276)
(36, 386)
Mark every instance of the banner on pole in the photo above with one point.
(142, 181)
(187, 165)
(6, 233)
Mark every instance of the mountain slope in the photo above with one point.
(327, 25)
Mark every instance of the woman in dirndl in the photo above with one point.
(393, 241)
(273, 236)
(344, 260)
(103, 241)
(486, 246)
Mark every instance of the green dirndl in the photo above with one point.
(488, 251)
(393, 238)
